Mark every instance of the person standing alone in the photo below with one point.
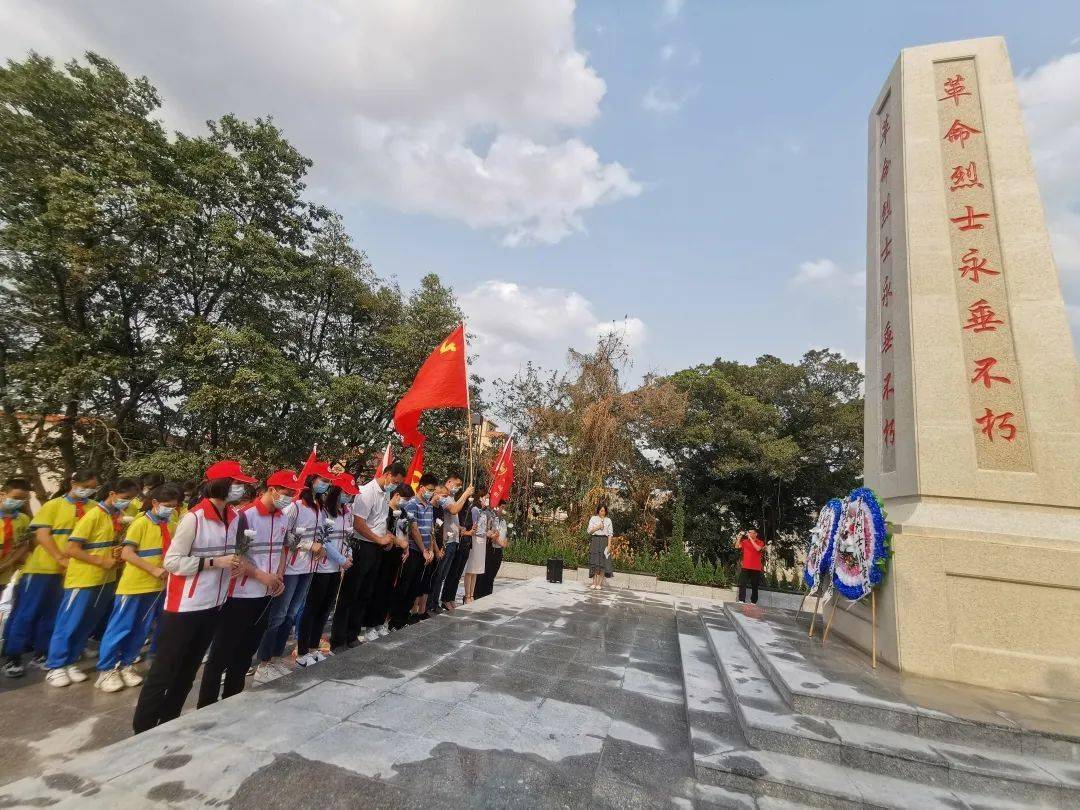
(751, 546)
(600, 531)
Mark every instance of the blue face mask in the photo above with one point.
(427, 494)
(390, 488)
(320, 486)
(344, 499)
(12, 504)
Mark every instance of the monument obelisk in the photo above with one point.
(972, 420)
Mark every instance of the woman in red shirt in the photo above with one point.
(751, 546)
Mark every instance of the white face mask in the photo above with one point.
(81, 493)
(236, 493)
(281, 501)
(164, 512)
(120, 504)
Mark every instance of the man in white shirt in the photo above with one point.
(371, 508)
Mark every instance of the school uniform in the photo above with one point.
(139, 595)
(194, 594)
(325, 580)
(372, 506)
(306, 523)
(245, 614)
(13, 525)
(88, 589)
(41, 584)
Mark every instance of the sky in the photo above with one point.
(690, 174)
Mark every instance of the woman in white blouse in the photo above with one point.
(600, 532)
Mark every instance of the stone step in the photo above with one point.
(724, 760)
(768, 723)
(835, 681)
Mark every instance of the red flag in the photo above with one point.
(440, 383)
(502, 477)
(309, 466)
(384, 462)
(416, 468)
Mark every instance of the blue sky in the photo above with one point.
(697, 167)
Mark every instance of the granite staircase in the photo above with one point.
(773, 714)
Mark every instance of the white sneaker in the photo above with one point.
(75, 674)
(264, 673)
(131, 676)
(382, 630)
(58, 677)
(372, 635)
(109, 681)
(282, 666)
(307, 660)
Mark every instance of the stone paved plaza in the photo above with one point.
(554, 696)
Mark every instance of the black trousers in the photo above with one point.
(181, 644)
(320, 599)
(457, 567)
(407, 589)
(754, 579)
(382, 595)
(241, 628)
(485, 583)
(356, 588)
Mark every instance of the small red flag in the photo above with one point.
(416, 468)
(384, 462)
(502, 476)
(440, 383)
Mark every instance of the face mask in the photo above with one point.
(281, 501)
(320, 487)
(390, 488)
(344, 499)
(427, 495)
(81, 493)
(236, 493)
(120, 504)
(12, 504)
(164, 512)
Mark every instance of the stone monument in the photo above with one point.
(972, 421)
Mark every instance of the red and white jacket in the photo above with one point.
(304, 522)
(266, 532)
(193, 584)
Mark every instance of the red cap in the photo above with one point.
(322, 469)
(228, 469)
(283, 479)
(347, 484)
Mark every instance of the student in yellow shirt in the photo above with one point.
(37, 593)
(14, 528)
(139, 592)
(89, 583)
(147, 482)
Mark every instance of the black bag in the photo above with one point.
(555, 569)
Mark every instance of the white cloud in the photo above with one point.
(514, 324)
(827, 274)
(1050, 96)
(387, 96)
(660, 100)
(672, 9)
(667, 52)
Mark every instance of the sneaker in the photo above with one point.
(38, 662)
(131, 676)
(110, 680)
(264, 673)
(282, 666)
(58, 677)
(13, 668)
(382, 630)
(371, 635)
(251, 670)
(306, 660)
(75, 674)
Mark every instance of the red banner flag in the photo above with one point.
(440, 383)
(502, 476)
(416, 468)
(384, 462)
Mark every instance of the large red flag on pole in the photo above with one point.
(441, 382)
(416, 467)
(502, 476)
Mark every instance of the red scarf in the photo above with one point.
(9, 535)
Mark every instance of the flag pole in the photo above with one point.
(468, 403)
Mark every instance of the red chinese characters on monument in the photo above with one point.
(1000, 424)
(972, 263)
(954, 88)
(982, 318)
(983, 373)
(886, 292)
(968, 218)
(886, 209)
(887, 389)
(885, 165)
(888, 432)
(887, 338)
(960, 132)
(965, 177)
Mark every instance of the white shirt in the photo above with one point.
(372, 505)
(599, 525)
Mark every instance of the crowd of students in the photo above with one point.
(221, 574)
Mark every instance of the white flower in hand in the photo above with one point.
(249, 533)
(126, 519)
